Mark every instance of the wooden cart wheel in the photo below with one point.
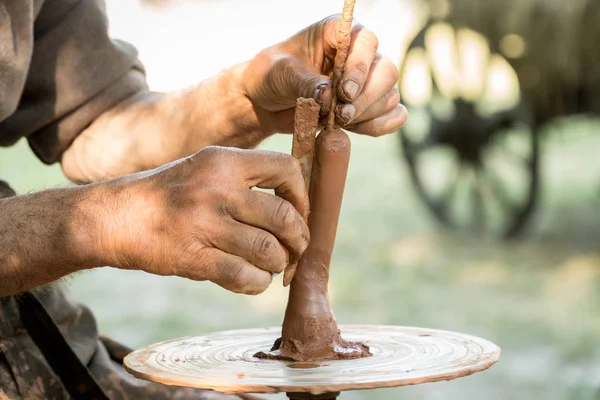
(470, 142)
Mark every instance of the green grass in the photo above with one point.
(536, 297)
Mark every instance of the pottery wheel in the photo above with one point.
(224, 361)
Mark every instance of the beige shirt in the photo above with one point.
(59, 70)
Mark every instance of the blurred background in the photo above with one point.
(481, 216)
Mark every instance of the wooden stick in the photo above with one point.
(341, 55)
(305, 125)
(310, 331)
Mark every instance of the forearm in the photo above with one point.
(45, 236)
(151, 129)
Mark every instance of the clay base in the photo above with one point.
(337, 349)
(308, 396)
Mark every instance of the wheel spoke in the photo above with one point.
(499, 144)
(420, 147)
(479, 217)
(512, 156)
(414, 149)
(498, 188)
(450, 190)
(444, 201)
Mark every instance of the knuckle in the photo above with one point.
(390, 70)
(289, 165)
(211, 152)
(218, 199)
(264, 247)
(284, 215)
(385, 128)
(399, 120)
(283, 70)
(222, 208)
(230, 274)
(281, 265)
(369, 128)
(364, 100)
(254, 290)
(369, 39)
(361, 69)
(304, 242)
(295, 166)
(393, 98)
(213, 157)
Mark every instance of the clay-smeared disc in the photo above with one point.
(224, 361)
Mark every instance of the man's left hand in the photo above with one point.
(243, 105)
(302, 67)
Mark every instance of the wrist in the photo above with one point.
(223, 104)
(124, 212)
(91, 227)
(46, 236)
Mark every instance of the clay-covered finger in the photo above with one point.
(278, 171)
(275, 215)
(363, 50)
(388, 123)
(236, 274)
(289, 273)
(381, 107)
(257, 246)
(383, 76)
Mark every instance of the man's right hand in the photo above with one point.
(199, 218)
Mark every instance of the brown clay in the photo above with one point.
(306, 125)
(310, 331)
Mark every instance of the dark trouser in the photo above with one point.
(25, 374)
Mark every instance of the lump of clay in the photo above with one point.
(310, 331)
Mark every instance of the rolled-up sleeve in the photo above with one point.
(77, 72)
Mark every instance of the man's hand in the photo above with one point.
(199, 218)
(302, 66)
(242, 106)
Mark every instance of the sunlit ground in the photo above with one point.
(537, 298)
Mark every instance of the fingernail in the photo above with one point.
(347, 113)
(318, 96)
(404, 109)
(288, 274)
(324, 108)
(351, 89)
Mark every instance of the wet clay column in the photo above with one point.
(306, 126)
(310, 331)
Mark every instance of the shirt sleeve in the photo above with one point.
(77, 72)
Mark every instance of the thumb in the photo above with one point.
(285, 79)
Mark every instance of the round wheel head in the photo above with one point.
(224, 361)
